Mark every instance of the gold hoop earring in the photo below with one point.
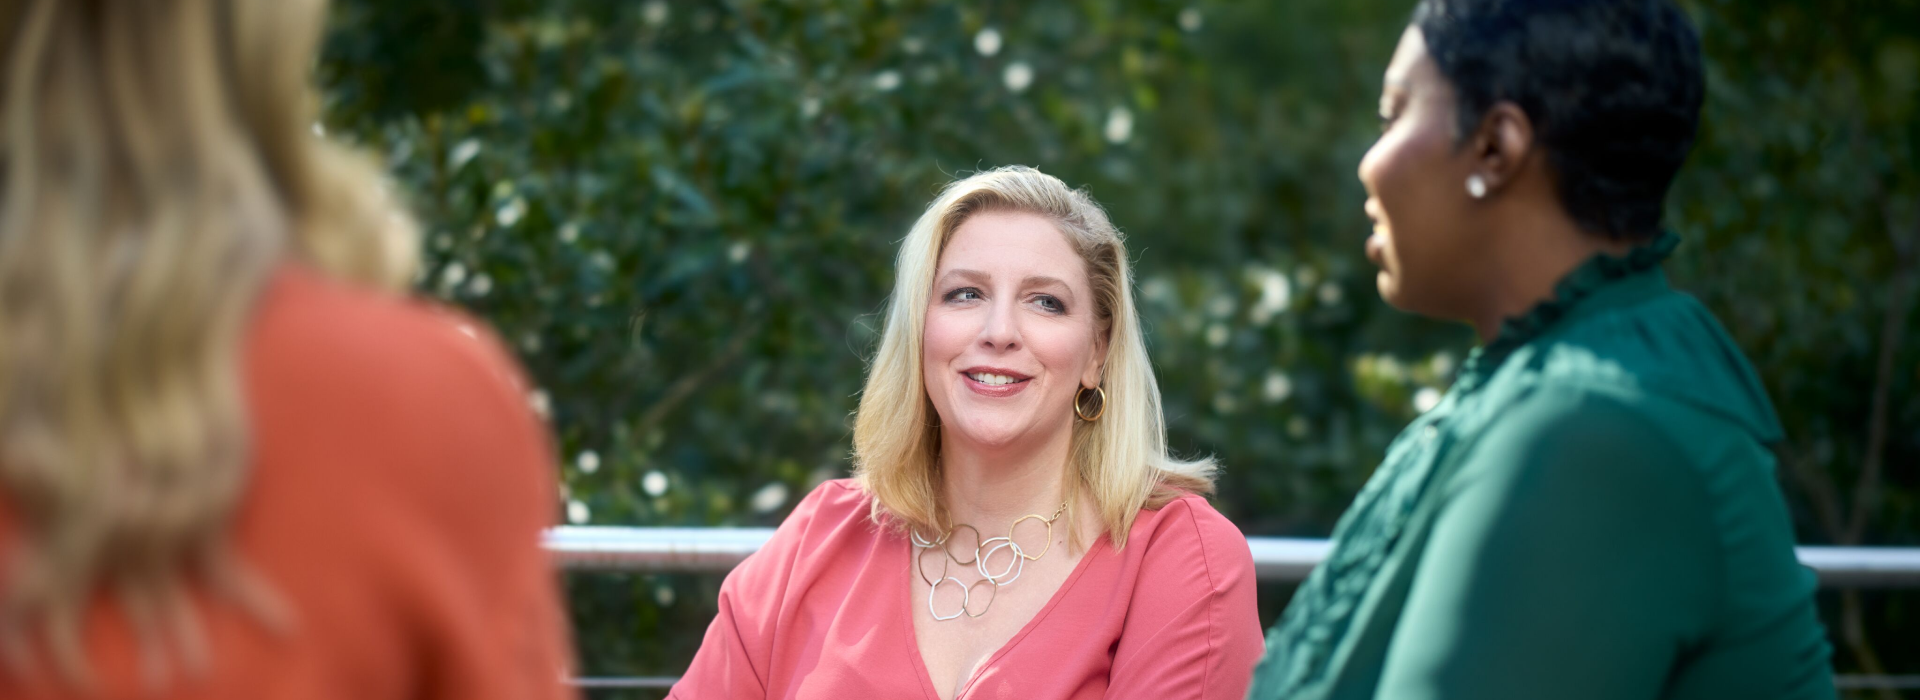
(1099, 404)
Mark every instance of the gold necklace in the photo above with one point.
(983, 549)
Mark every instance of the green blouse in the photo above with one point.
(1590, 512)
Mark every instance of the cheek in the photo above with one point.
(943, 337)
(1065, 349)
(1387, 172)
(1406, 174)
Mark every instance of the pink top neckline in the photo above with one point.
(823, 612)
(913, 646)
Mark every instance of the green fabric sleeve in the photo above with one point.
(1573, 557)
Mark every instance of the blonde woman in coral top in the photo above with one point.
(235, 462)
(1015, 527)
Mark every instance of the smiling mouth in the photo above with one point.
(992, 379)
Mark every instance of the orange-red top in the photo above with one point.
(398, 489)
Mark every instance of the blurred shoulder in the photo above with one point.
(312, 326)
(834, 500)
(376, 392)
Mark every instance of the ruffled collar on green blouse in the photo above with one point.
(1597, 273)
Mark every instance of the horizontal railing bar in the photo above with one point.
(718, 550)
(627, 682)
(1877, 682)
(1841, 682)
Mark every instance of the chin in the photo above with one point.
(993, 432)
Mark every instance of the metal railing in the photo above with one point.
(718, 550)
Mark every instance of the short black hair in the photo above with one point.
(1613, 88)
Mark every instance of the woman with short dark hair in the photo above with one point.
(1590, 512)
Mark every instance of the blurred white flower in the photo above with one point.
(1330, 293)
(738, 251)
(913, 45)
(1442, 363)
(540, 404)
(886, 80)
(1305, 276)
(769, 498)
(569, 232)
(453, 274)
(1275, 293)
(480, 285)
(809, 107)
(654, 483)
(510, 213)
(1190, 19)
(1119, 125)
(663, 594)
(1278, 386)
(462, 153)
(1216, 335)
(987, 42)
(1017, 76)
(577, 512)
(1425, 399)
(1157, 289)
(654, 12)
(588, 462)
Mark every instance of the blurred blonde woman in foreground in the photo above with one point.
(1015, 526)
(234, 461)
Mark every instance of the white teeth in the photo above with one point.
(991, 379)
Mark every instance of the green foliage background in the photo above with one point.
(683, 215)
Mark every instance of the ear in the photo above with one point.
(1502, 144)
(1098, 367)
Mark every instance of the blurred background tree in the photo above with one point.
(683, 216)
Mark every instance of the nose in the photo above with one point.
(1001, 332)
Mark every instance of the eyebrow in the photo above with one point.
(978, 277)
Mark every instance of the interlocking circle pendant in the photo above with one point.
(946, 543)
(922, 542)
(920, 565)
(984, 608)
(983, 549)
(963, 599)
(1014, 568)
(1043, 550)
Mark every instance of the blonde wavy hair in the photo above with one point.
(159, 161)
(1120, 461)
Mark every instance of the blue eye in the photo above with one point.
(963, 294)
(1050, 304)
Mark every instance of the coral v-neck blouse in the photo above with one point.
(823, 612)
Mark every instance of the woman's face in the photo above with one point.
(1010, 334)
(1423, 239)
